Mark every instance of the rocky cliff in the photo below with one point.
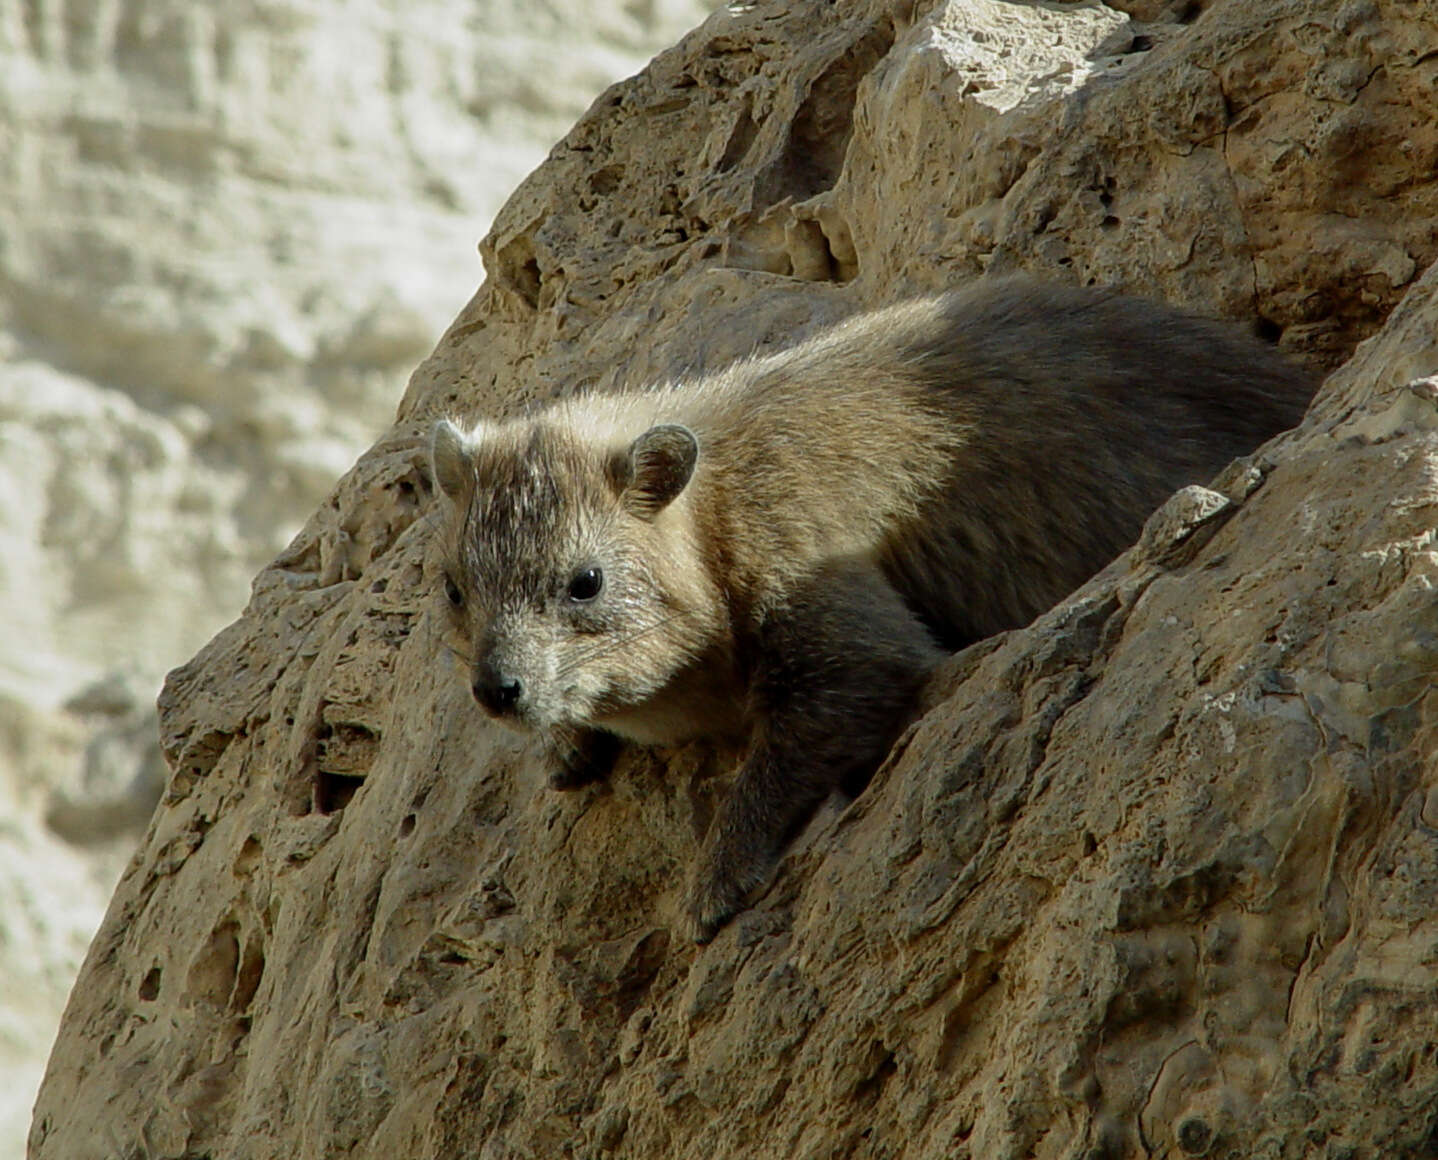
(228, 232)
(1151, 877)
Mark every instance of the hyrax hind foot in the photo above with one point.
(580, 758)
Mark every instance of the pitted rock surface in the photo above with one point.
(1150, 877)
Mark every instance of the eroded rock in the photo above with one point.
(1152, 876)
(227, 233)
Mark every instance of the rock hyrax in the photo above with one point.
(782, 550)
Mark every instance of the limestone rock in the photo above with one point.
(1151, 877)
(227, 233)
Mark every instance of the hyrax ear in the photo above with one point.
(451, 454)
(659, 465)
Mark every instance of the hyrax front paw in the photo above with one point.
(564, 777)
(579, 759)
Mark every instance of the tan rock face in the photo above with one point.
(227, 234)
(1152, 877)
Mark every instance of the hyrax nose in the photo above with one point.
(496, 693)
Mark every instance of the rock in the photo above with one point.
(1152, 876)
(227, 233)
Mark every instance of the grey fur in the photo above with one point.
(790, 544)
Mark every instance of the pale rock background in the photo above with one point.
(227, 234)
(1152, 877)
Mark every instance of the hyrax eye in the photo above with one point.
(452, 592)
(586, 585)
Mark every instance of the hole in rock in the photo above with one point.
(741, 137)
(248, 856)
(869, 1088)
(823, 124)
(334, 791)
(211, 977)
(1267, 329)
(607, 180)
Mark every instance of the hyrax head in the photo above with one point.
(570, 578)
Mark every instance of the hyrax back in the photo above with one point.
(784, 549)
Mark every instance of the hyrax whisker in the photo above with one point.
(599, 649)
(830, 519)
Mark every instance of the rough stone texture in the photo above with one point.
(1152, 877)
(227, 234)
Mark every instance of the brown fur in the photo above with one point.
(788, 546)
